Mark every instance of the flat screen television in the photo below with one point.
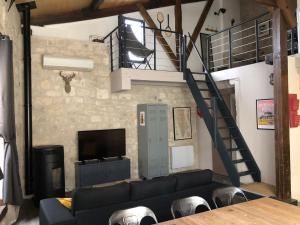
(101, 144)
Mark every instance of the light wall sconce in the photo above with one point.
(221, 10)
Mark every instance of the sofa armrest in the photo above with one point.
(54, 213)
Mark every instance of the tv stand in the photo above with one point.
(101, 171)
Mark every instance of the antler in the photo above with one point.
(67, 78)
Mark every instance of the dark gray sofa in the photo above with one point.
(93, 206)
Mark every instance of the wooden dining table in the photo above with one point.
(263, 211)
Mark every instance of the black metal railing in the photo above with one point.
(157, 51)
(246, 43)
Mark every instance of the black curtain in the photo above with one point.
(12, 192)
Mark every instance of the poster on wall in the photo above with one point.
(182, 123)
(265, 114)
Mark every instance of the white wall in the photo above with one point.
(294, 88)
(251, 83)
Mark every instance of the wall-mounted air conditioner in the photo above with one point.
(65, 63)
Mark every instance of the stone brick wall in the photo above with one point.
(10, 25)
(58, 116)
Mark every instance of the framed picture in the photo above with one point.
(264, 29)
(182, 123)
(265, 114)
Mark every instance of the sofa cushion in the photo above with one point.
(193, 179)
(89, 198)
(151, 188)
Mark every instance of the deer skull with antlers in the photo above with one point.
(67, 79)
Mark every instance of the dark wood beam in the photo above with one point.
(282, 143)
(87, 14)
(159, 35)
(199, 25)
(288, 8)
(271, 3)
(96, 4)
(178, 25)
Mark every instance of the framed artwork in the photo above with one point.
(264, 29)
(265, 114)
(182, 123)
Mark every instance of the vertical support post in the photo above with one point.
(111, 53)
(25, 8)
(282, 143)
(154, 47)
(256, 41)
(229, 49)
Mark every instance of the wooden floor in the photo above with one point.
(260, 188)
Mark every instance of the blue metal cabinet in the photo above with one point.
(153, 140)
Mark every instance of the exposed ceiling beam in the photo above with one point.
(199, 25)
(271, 3)
(288, 8)
(87, 14)
(95, 4)
(159, 36)
(178, 24)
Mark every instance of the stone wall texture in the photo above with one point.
(57, 116)
(10, 24)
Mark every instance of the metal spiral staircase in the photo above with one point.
(214, 109)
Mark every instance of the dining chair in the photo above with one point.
(132, 216)
(225, 196)
(188, 206)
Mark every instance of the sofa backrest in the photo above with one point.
(189, 180)
(151, 188)
(89, 198)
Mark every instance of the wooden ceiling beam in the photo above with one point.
(199, 25)
(271, 3)
(178, 25)
(87, 14)
(96, 4)
(288, 8)
(159, 35)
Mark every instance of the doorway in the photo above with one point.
(228, 93)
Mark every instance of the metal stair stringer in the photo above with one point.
(215, 134)
(235, 131)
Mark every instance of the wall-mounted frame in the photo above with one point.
(264, 29)
(265, 114)
(182, 123)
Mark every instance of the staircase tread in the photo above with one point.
(225, 138)
(235, 149)
(240, 161)
(225, 128)
(245, 173)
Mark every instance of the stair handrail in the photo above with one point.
(206, 70)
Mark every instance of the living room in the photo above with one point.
(65, 102)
